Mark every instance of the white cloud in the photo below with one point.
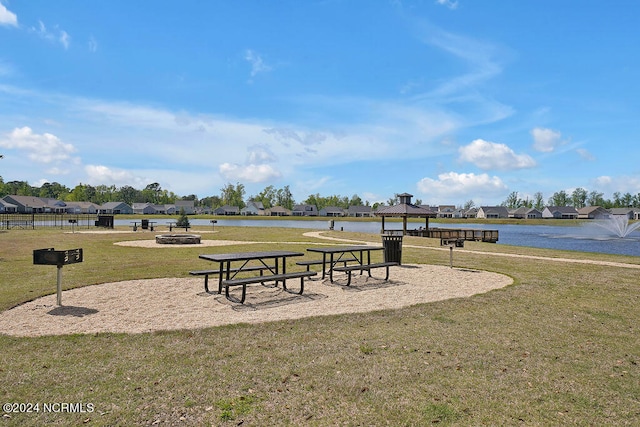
(257, 63)
(7, 17)
(621, 184)
(451, 4)
(44, 148)
(452, 185)
(490, 155)
(100, 173)
(250, 173)
(546, 140)
(56, 35)
(585, 154)
(93, 44)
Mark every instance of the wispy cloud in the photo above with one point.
(258, 65)
(7, 17)
(451, 4)
(55, 35)
(93, 44)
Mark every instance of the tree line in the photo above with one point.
(270, 196)
(579, 198)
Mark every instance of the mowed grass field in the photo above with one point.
(561, 346)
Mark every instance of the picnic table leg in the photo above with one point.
(331, 268)
(324, 264)
(206, 283)
(221, 274)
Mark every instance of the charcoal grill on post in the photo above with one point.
(50, 256)
(458, 243)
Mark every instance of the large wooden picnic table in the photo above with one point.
(337, 254)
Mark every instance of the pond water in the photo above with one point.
(585, 238)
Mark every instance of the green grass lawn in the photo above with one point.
(558, 347)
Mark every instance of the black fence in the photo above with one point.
(32, 221)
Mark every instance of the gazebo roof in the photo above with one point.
(406, 210)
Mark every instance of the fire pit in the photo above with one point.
(177, 239)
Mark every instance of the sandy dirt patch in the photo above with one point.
(138, 306)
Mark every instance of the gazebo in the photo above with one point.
(405, 210)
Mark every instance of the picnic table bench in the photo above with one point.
(207, 273)
(173, 225)
(261, 279)
(365, 267)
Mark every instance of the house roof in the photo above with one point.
(562, 209)
(360, 208)
(495, 209)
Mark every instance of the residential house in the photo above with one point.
(187, 205)
(593, 212)
(471, 213)
(116, 208)
(277, 211)
(304, 210)
(253, 208)
(332, 211)
(143, 209)
(6, 207)
(359, 211)
(628, 212)
(560, 212)
(31, 204)
(458, 213)
(82, 208)
(525, 213)
(492, 212)
(446, 211)
(227, 210)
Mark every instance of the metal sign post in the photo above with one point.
(50, 256)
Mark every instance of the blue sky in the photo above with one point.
(448, 100)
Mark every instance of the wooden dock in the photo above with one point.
(490, 236)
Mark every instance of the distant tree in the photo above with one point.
(559, 198)
(579, 198)
(130, 195)
(469, 204)
(626, 200)
(393, 200)
(233, 195)
(284, 198)
(53, 191)
(267, 197)
(78, 194)
(418, 202)
(355, 201)
(512, 201)
(212, 202)
(183, 220)
(595, 199)
(538, 201)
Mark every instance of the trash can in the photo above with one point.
(392, 248)
(145, 224)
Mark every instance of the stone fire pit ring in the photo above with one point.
(178, 239)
